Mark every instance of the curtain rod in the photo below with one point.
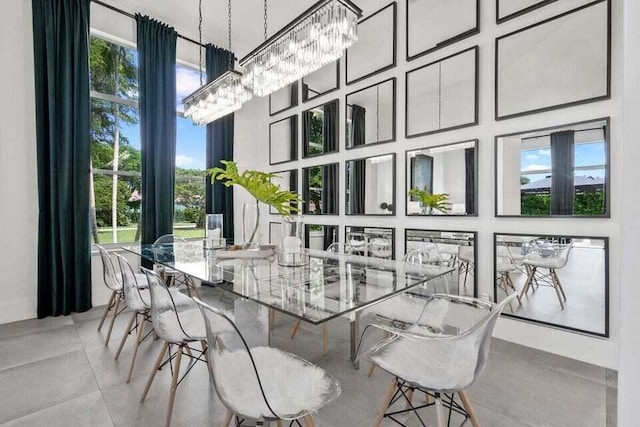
(127, 14)
(579, 130)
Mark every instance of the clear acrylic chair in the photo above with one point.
(113, 281)
(551, 256)
(177, 321)
(358, 242)
(441, 354)
(380, 247)
(138, 299)
(173, 277)
(262, 383)
(334, 249)
(505, 266)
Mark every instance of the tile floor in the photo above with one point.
(57, 372)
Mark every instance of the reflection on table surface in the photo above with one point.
(330, 285)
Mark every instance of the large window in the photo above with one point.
(115, 149)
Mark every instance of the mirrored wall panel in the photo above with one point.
(442, 95)
(561, 171)
(560, 280)
(320, 237)
(322, 81)
(434, 24)
(373, 242)
(283, 99)
(555, 63)
(371, 185)
(375, 50)
(275, 233)
(451, 248)
(287, 180)
(508, 9)
(283, 140)
(442, 180)
(320, 129)
(371, 115)
(320, 187)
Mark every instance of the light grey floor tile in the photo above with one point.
(33, 325)
(39, 385)
(87, 410)
(91, 337)
(612, 378)
(94, 314)
(23, 349)
(612, 407)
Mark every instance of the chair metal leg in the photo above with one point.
(308, 421)
(385, 403)
(467, 407)
(136, 345)
(227, 419)
(294, 331)
(439, 412)
(325, 338)
(174, 385)
(113, 320)
(156, 366)
(106, 311)
(126, 334)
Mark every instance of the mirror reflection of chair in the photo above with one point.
(381, 246)
(178, 322)
(447, 346)
(466, 263)
(173, 277)
(262, 383)
(505, 266)
(113, 281)
(550, 256)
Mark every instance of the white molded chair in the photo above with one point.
(262, 383)
(550, 256)
(177, 321)
(441, 354)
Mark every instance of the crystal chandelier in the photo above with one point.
(222, 96)
(315, 38)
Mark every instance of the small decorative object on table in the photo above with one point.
(213, 233)
(291, 253)
(260, 186)
(430, 202)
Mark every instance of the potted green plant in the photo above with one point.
(261, 187)
(430, 202)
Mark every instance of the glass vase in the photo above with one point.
(214, 232)
(291, 251)
(251, 226)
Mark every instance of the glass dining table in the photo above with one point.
(329, 286)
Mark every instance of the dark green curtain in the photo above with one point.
(219, 144)
(562, 172)
(470, 180)
(61, 59)
(358, 125)
(329, 235)
(358, 172)
(330, 127)
(330, 189)
(157, 100)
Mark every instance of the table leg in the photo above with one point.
(354, 323)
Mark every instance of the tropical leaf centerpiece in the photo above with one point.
(260, 186)
(430, 201)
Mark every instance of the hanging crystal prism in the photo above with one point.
(214, 100)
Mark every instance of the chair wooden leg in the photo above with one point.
(279, 423)
(294, 331)
(439, 412)
(308, 421)
(106, 311)
(385, 403)
(559, 285)
(227, 419)
(409, 399)
(126, 334)
(372, 369)
(156, 366)
(205, 348)
(325, 338)
(467, 407)
(113, 319)
(557, 289)
(222, 294)
(427, 399)
(174, 386)
(136, 346)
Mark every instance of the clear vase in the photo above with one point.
(251, 226)
(291, 248)
(213, 233)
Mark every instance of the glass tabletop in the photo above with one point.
(330, 286)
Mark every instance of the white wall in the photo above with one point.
(599, 351)
(18, 182)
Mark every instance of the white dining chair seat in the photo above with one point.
(291, 384)
(550, 262)
(190, 322)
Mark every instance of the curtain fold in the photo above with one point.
(469, 180)
(219, 144)
(358, 125)
(61, 59)
(562, 172)
(157, 100)
(358, 172)
(306, 132)
(330, 189)
(330, 127)
(329, 233)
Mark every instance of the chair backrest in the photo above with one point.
(112, 278)
(167, 308)
(380, 247)
(131, 287)
(237, 366)
(339, 248)
(427, 254)
(466, 253)
(168, 239)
